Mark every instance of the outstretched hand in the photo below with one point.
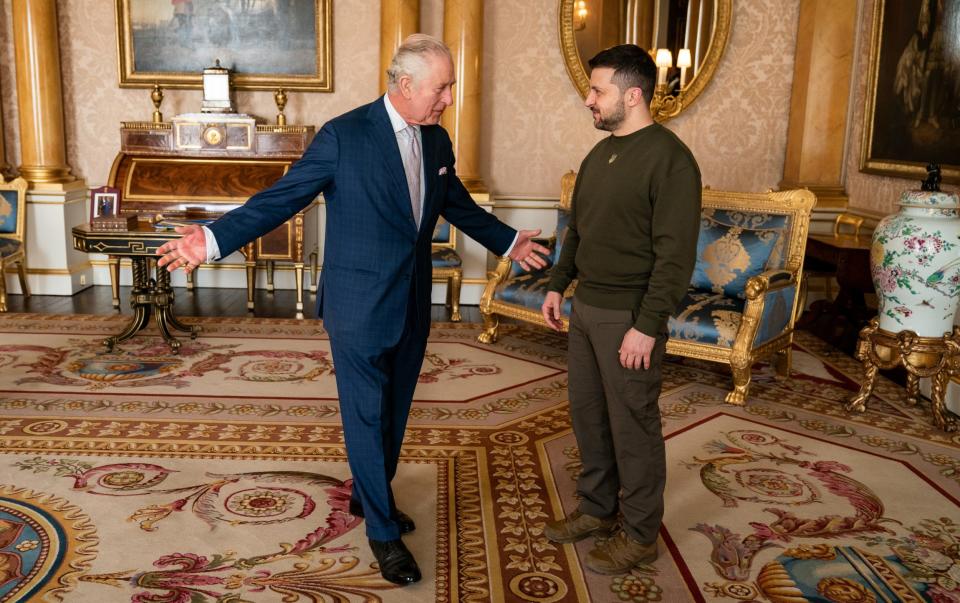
(187, 252)
(526, 249)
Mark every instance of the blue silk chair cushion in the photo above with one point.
(735, 246)
(444, 257)
(707, 317)
(441, 233)
(528, 289)
(8, 247)
(8, 211)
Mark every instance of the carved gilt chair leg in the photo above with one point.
(251, 281)
(298, 279)
(782, 361)
(22, 273)
(270, 268)
(190, 280)
(741, 384)
(913, 389)
(491, 325)
(453, 290)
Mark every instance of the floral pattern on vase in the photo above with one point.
(915, 264)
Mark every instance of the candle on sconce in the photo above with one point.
(683, 62)
(664, 61)
(580, 14)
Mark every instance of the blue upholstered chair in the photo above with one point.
(743, 297)
(515, 293)
(13, 215)
(447, 265)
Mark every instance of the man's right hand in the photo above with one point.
(551, 310)
(187, 252)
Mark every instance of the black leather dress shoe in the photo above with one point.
(404, 521)
(396, 562)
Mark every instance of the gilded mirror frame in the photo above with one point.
(663, 107)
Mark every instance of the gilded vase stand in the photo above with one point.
(148, 295)
(934, 357)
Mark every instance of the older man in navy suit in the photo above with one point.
(386, 171)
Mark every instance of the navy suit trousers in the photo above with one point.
(376, 386)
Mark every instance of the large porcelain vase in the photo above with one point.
(915, 264)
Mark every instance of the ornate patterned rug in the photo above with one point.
(220, 475)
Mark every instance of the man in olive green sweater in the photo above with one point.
(631, 244)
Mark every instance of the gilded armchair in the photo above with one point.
(743, 298)
(13, 245)
(447, 265)
(514, 293)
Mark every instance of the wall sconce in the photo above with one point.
(664, 104)
(580, 15)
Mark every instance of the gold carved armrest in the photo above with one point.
(756, 292)
(771, 280)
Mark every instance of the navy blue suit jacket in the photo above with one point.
(373, 252)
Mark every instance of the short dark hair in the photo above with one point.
(632, 67)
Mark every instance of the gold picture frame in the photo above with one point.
(905, 128)
(171, 42)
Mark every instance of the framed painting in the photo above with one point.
(912, 114)
(267, 44)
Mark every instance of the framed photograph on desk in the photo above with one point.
(267, 45)
(104, 202)
(912, 112)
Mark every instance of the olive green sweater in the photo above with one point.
(632, 239)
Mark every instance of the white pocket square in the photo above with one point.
(443, 171)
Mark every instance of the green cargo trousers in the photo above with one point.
(616, 420)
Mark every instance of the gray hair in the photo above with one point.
(410, 58)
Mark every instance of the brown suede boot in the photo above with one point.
(578, 526)
(620, 554)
